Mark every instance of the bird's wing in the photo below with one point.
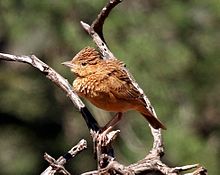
(120, 85)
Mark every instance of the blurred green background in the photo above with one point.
(171, 47)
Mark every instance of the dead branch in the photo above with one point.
(61, 82)
(96, 29)
(57, 165)
(98, 23)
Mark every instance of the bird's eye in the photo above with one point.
(84, 64)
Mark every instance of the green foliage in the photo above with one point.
(172, 49)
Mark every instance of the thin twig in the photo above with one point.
(104, 50)
(57, 165)
(97, 24)
(96, 29)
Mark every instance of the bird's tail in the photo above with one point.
(154, 122)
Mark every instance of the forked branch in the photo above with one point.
(58, 165)
(98, 23)
(96, 29)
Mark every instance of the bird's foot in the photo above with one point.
(104, 137)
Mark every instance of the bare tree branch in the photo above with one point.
(57, 165)
(96, 29)
(98, 23)
(104, 50)
(61, 82)
(150, 167)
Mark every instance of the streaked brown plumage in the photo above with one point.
(106, 84)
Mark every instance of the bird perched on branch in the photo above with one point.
(107, 84)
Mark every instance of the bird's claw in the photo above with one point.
(106, 136)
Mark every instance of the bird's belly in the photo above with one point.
(109, 104)
(101, 97)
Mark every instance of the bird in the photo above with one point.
(108, 85)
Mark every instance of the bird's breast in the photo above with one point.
(85, 87)
(97, 92)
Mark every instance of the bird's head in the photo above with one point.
(85, 62)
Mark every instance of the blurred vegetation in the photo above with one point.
(171, 47)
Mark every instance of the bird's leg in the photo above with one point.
(112, 122)
(108, 127)
(101, 137)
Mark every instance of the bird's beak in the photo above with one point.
(67, 63)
